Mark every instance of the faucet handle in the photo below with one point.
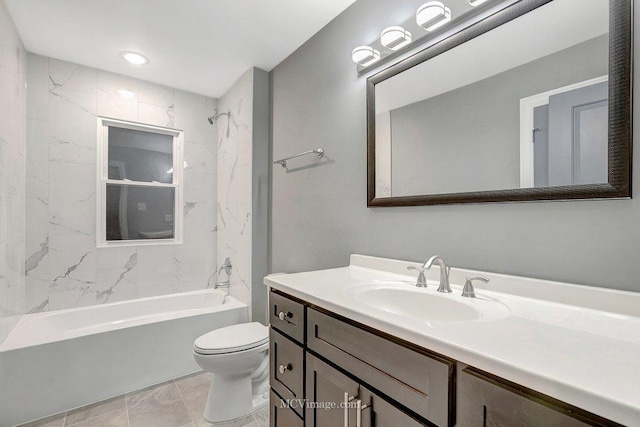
(468, 291)
(422, 281)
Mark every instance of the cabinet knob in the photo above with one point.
(283, 316)
(284, 368)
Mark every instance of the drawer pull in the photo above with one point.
(284, 368)
(347, 399)
(284, 316)
(359, 408)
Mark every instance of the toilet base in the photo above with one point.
(220, 408)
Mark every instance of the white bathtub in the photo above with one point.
(53, 362)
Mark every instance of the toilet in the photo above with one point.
(237, 356)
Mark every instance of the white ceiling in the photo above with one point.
(201, 46)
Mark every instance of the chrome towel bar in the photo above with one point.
(283, 162)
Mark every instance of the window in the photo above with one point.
(139, 184)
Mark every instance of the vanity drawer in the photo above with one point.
(415, 378)
(281, 415)
(286, 371)
(287, 316)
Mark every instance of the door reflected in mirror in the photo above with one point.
(524, 105)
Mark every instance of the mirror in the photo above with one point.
(531, 103)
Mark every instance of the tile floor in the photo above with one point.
(175, 403)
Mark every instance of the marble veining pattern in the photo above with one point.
(13, 74)
(234, 184)
(64, 269)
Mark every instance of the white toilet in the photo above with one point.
(238, 358)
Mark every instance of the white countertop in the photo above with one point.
(578, 344)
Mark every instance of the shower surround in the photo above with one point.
(12, 173)
(243, 160)
(64, 269)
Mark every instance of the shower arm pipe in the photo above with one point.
(317, 151)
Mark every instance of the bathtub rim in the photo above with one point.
(229, 303)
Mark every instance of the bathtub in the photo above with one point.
(56, 361)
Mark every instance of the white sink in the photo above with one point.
(426, 304)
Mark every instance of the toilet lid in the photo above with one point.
(232, 338)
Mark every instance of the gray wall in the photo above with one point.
(13, 104)
(477, 127)
(319, 214)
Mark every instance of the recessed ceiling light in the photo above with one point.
(475, 3)
(365, 55)
(126, 93)
(134, 58)
(433, 15)
(395, 37)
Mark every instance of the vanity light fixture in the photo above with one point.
(395, 37)
(126, 93)
(475, 3)
(365, 55)
(433, 15)
(134, 58)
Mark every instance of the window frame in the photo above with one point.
(102, 179)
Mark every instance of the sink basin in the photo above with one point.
(426, 304)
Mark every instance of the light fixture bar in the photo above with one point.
(475, 3)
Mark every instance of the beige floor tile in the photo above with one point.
(132, 398)
(159, 406)
(117, 418)
(194, 390)
(96, 409)
(262, 417)
(52, 421)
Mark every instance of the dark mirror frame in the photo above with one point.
(620, 115)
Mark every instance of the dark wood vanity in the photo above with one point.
(327, 370)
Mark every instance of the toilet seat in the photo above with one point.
(232, 339)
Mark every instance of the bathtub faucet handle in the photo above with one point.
(227, 267)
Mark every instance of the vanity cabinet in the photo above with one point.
(325, 367)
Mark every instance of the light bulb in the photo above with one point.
(395, 38)
(134, 58)
(365, 55)
(433, 15)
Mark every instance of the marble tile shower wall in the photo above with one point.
(12, 174)
(64, 269)
(235, 156)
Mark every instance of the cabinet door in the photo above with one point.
(325, 395)
(487, 401)
(287, 369)
(377, 412)
(281, 414)
(325, 405)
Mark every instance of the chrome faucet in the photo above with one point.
(444, 272)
